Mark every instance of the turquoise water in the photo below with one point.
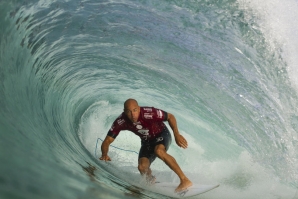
(226, 69)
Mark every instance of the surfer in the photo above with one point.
(147, 123)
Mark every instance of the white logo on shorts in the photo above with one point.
(159, 139)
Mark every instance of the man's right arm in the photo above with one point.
(105, 148)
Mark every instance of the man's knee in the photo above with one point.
(142, 168)
(160, 152)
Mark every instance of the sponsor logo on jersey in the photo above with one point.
(148, 116)
(144, 131)
(139, 127)
(159, 113)
(148, 109)
(120, 121)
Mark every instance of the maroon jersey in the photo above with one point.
(149, 125)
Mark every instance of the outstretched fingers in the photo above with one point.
(181, 141)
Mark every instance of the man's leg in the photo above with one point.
(161, 153)
(144, 168)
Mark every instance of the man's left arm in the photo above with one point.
(180, 140)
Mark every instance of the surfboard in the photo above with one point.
(168, 189)
(163, 188)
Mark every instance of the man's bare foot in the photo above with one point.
(150, 179)
(184, 184)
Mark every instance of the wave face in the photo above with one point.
(226, 69)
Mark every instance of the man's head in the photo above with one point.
(132, 110)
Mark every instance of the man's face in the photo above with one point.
(132, 111)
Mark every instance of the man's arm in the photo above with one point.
(105, 148)
(180, 140)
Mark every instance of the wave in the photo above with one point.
(226, 70)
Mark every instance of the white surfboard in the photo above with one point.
(163, 188)
(168, 189)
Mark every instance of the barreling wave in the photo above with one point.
(225, 69)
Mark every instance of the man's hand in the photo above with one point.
(105, 148)
(105, 158)
(181, 141)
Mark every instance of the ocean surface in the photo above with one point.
(227, 69)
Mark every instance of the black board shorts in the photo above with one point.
(147, 147)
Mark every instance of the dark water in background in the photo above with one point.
(226, 69)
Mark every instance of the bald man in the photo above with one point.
(147, 123)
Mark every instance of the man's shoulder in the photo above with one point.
(152, 113)
(121, 119)
(147, 108)
(150, 109)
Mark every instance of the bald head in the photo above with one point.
(130, 102)
(132, 109)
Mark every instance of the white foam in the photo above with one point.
(240, 178)
(278, 21)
